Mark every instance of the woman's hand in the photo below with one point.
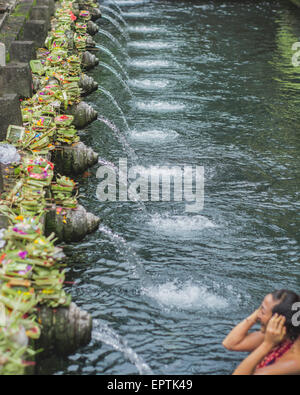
(254, 316)
(276, 331)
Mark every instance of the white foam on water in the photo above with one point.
(151, 64)
(151, 44)
(131, 2)
(137, 14)
(153, 136)
(155, 171)
(180, 224)
(186, 296)
(145, 29)
(160, 106)
(149, 84)
(102, 332)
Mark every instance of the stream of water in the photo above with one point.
(213, 86)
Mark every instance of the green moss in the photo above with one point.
(20, 11)
(7, 57)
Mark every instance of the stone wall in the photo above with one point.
(23, 29)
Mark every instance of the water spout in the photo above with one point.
(124, 249)
(114, 40)
(116, 14)
(102, 332)
(115, 103)
(117, 26)
(118, 76)
(121, 138)
(114, 3)
(113, 57)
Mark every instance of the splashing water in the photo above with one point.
(151, 45)
(151, 64)
(160, 106)
(145, 29)
(114, 3)
(102, 332)
(153, 136)
(112, 56)
(107, 163)
(132, 2)
(149, 84)
(118, 76)
(181, 224)
(117, 26)
(115, 13)
(185, 295)
(137, 14)
(124, 249)
(114, 41)
(121, 138)
(115, 103)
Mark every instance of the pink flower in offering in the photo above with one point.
(19, 231)
(23, 272)
(23, 254)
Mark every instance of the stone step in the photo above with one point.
(10, 113)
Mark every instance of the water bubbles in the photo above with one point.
(151, 45)
(180, 224)
(185, 295)
(153, 136)
(151, 63)
(160, 106)
(146, 29)
(149, 84)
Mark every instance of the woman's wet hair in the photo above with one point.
(286, 299)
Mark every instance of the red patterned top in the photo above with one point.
(275, 354)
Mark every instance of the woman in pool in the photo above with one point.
(275, 349)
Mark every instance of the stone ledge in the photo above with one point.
(16, 79)
(10, 113)
(13, 25)
(22, 51)
(36, 31)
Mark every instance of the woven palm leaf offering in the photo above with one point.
(64, 131)
(31, 203)
(63, 120)
(62, 192)
(23, 232)
(80, 42)
(57, 40)
(14, 264)
(39, 171)
(15, 134)
(6, 211)
(64, 184)
(14, 333)
(27, 114)
(73, 91)
(67, 135)
(48, 286)
(81, 28)
(57, 57)
(37, 67)
(42, 54)
(74, 65)
(84, 15)
(41, 123)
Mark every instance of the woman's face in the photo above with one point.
(265, 313)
